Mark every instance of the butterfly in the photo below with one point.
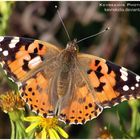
(64, 83)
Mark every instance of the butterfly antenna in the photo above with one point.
(93, 35)
(62, 23)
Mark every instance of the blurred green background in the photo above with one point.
(121, 45)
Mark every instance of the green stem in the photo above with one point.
(134, 122)
(19, 132)
(22, 129)
(21, 125)
(134, 131)
(18, 129)
(12, 129)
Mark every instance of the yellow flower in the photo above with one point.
(12, 104)
(11, 101)
(49, 127)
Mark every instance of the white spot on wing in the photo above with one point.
(12, 45)
(124, 78)
(124, 74)
(137, 85)
(124, 69)
(34, 62)
(138, 78)
(1, 38)
(13, 42)
(123, 98)
(125, 88)
(5, 53)
(132, 88)
(115, 104)
(0, 49)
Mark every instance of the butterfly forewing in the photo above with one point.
(19, 56)
(112, 83)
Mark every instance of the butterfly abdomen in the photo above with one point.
(63, 83)
(64, 77)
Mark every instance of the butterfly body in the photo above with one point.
(64, 83)
(67, 67)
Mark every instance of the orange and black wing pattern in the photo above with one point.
(82, 108)
(26, 61)
(36, 93)
(20, 56)
(112, 84)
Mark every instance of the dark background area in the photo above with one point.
(121, 45)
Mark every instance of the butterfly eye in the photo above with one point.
(72, 47)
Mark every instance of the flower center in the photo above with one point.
(49, 122)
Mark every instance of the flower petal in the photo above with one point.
(31, 127)
(53, 134)
(61, 132)
(32, 118)
(43, 134)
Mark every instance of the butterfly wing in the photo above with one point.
(82, 108)
(38, 93)
(80, 105)
(20, 57)
(113, 84)
(32, 64)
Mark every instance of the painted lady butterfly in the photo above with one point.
(75, 87)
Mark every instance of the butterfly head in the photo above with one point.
(72, 46)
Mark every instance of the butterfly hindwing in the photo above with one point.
(81, 106)
(19, 56)
(112, 83)
(36, 93)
